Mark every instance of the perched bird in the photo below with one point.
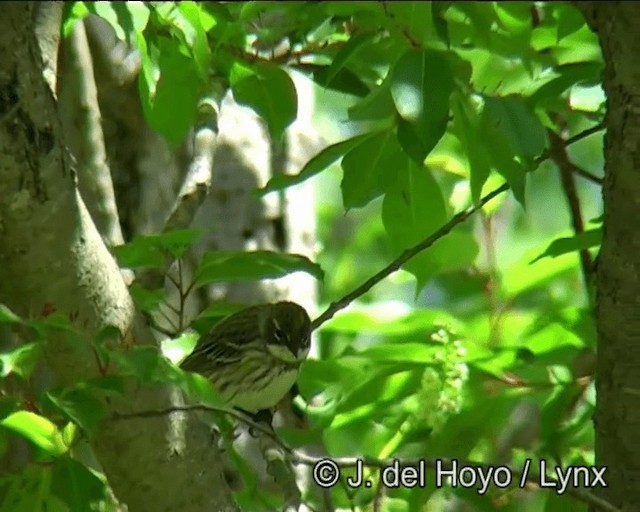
(253, 357)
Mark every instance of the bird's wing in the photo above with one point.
(224, 344)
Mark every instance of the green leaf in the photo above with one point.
(194, 13)
(170, 101)
(421, 84)
(175, 349)
(21, 360)
(438, 10)
(509, 120)
(560, 246)
(146, 363)
(522, 276)
(344, 80)
(412, 20)
(132, 17)
(418, 353)
(37, 429)
(76, 485)
(108, 13)
(344, 54)
(382, 386)
(466, 125)
(412, 210)
(570, 20)
(514, 138)
(569, 75)
(151, 251)
(271, 94)
(317, 164)
(380, 321)
(222, 266)
(73, 12)
(80, 404)
(377, 105)
(146, 300)
(370, 169)
(8, 317)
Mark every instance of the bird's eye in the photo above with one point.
(277, 331)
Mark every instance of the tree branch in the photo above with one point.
(459, 218)
(558, 154)
(81, 121)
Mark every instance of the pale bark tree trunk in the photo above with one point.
(617, 419)
(53, 258)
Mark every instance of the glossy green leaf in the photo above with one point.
(195, 31)
(514, 137)
(222, 266)
(151, 251)
(413, 210)
(176, 349)
(36, 429)
(81, 404)
(344, 54)
(20, 361)
(408, 352)
(413, 20)
(370, 169)
(271, 94)
(568, 76)
(376, 105)
(466, 125)
(510, 120)
(344, 80)
(146, 363)
(170, 101)
(581, 241)
(381, 386)
(8, 317)
(421, 84)
(317, 164)
(146, 300)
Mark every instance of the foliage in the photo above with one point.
(445, 101)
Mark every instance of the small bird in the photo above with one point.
(253, 356)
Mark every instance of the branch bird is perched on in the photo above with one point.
(253, 357)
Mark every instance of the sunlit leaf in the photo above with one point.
(370, 169)
(37, 429)
(222, 266)
(420, 87)
(317, 164)
(271, 93)
(579, 242)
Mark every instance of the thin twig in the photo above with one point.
(373, 462)
(558, 154)
(586, 174)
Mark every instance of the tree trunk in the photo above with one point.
(53, 258)
(617, 420)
